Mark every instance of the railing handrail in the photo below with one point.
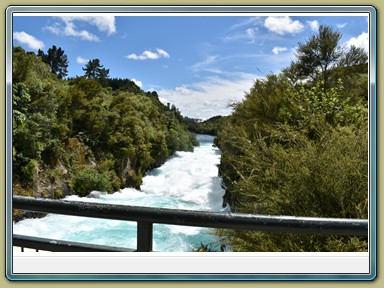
(146, 216)
(56, 245)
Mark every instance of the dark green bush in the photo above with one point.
(29, 173)
(89, 179)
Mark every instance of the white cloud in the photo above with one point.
(209, 98)
(103, 23)
(293, 53)
(283, 25)
(248, 35)
(314, 25)
(203, 65)
(67, 26)
(250, 32)
(145, 55)
(361, 41)
(341, 25)
(183, 90)
(81, 60)
(137, 82)
(28, 40)
(247, 21)
(276, 50)
(149, 55)
(70, 30)
(54, 29)
(163, 53)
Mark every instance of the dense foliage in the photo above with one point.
(299, 146)
(75, 135)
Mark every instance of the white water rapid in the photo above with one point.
(188, 180)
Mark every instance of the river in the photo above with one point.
(188, 180)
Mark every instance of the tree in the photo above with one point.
(318, 55)
(91, 68)
(57, 60)
(355, 56)
(94, 70)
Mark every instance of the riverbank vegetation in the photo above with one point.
(298, 145)
(85, 133)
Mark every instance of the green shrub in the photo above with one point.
(29, 172)
(58, 193)
(88, 180)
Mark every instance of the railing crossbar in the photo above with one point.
(62, 246)
(147, 216)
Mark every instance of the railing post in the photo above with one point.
(144, 236)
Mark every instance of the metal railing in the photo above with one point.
(146, 217)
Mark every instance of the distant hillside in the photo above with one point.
(210, 126)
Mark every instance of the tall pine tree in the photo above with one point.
(317, 56)
(94, 70)
(57, 60)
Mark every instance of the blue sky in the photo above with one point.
(199, 63)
